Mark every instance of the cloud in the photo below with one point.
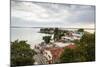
(31, 11)
(50, 14)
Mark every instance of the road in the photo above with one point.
(40, 59)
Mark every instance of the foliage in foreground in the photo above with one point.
(85, 50)
(21, 53)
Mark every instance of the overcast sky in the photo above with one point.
(35, 14)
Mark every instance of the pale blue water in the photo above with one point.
(30, 34)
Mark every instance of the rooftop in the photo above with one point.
(61, 44)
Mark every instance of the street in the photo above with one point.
(40, 59)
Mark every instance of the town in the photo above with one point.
(59, 46)
(49, 51)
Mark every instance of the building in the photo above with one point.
(48, 55)
(72, 36)
(67, 39)
(71, 46)
(53, 54)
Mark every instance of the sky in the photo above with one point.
(38, 14)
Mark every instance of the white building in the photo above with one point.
(61, 44)
(74, 36)
(47, 54)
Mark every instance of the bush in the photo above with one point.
(21, 53)
(85, 50)
(47, 39)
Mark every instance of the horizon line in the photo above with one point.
(52, 27)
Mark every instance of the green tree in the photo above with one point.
(72, 55)
(84, 51)
(21, 53)
(89, 44)
(58, 34)
(56, 31)
(67, 56)
(47, 39)
(80, 30)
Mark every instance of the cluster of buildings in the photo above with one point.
(53, 50)
(53, 53)
(71, 36)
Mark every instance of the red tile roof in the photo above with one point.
(72, 46)
(57, 51)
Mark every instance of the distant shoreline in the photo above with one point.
(51, 27)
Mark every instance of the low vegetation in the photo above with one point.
(21, 54)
